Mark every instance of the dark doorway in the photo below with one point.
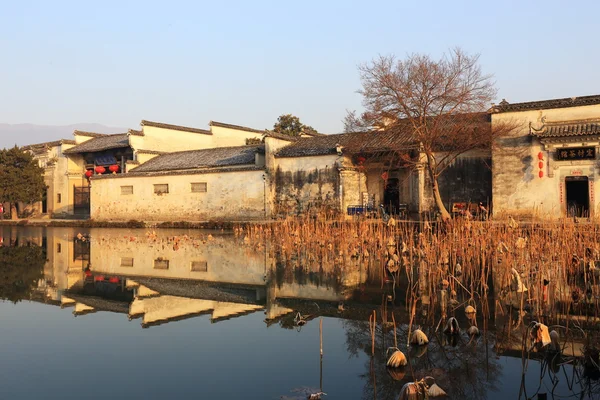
(81, 200)
(391, 195)
(45, 202)
(578, 196)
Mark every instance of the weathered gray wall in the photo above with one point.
(301, 189)
(469, 179)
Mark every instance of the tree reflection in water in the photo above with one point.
(21, 268)
(465, 371)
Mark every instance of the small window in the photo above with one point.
(161, 189)
(125, 190)
(58, 247)
(161, 263)
(126, 261)
(58, 198)
(199, 187)
(199, 266)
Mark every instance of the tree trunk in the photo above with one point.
(13, 211)
(435, 188)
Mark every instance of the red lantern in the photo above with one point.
(89, 173)
(541, 174)
(113, 168)
(540, 156)
(100, 170)
(541, 164)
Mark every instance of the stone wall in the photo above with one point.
(237, 195)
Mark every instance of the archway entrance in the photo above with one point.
(578, 196)
(391, 195)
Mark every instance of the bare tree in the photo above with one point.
(441, 103)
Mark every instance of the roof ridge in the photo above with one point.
(50, 143)
(95, 134)
(232, 126)
(562, 102)
(175, 127)
(215, 148)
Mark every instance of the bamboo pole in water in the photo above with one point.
(321, 335)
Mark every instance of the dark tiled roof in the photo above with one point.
(175, 127)
(200, 171)
(237, 127)
(574, 129)
(45, 145)
(135, 132)
(505, 106)
(101, 143)
(206, 158)
(352, 142)
(89, 134)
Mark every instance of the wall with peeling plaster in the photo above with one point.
(298, 183)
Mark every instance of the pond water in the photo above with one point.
(190, 314)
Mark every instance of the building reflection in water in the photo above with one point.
(171, 276)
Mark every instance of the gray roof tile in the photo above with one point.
(101, 143)
(206, 158)
(353, 142)
(573, 129)
(505, 106)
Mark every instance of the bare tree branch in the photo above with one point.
(442, 103)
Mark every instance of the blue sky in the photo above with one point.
(189, 62)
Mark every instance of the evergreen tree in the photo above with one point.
(288, 124)
(21, 178)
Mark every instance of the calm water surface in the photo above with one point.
(184, 315)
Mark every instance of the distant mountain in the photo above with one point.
(24, 134)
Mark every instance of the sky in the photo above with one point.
(247, 62)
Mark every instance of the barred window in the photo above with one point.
(199, 187)
(199, 266)
(161, 189)
(126, 261)
(125, 190)
(161, 263)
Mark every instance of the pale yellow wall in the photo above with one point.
(142, 157)
(231, 195)
(272, 145)
(61, 173)
(82, 138)
(168, 140)
(227, 261)
(516, 187)
(228, 137)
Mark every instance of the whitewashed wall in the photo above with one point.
(230, 196)
(516, 187)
